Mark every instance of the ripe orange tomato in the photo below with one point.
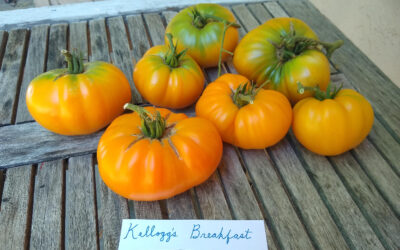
(245, 117)
(149, 156)
(168, 79)
(332, 124)
(285, 51)
(79, 100)
(200, 29)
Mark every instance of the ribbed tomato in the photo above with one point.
(332, 123)
(154, 154)
(200, 28)
(244, 116)
(79, 100)
(285, 51)
(168, 79)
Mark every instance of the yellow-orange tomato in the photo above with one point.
(332, 126)
(163, 84)
(139, 167)
(78, 103)
(245, 117)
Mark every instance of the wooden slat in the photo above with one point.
(156, 28)
(354, 64)
(57, 42)
(78, 38)
(137, 32)
(315, 215)
(369, 200)
(246, 18)
(35, 63)
(147, 210)
(121, 54)
(348, 215)
(14, 213)
(37, 144)
(13, 60)
(289, 229)
(3, 42)
(112, 209)
(98, 41)
(275, 9)
(80, 208)
(47, 221)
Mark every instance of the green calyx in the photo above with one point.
(172, 57)
(292, 45)
(74, 60)
(152, 126)
(245, 93)
(318, 93)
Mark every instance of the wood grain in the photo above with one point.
(47, 221)
(98, 41)
(121, 54)
(57, 42)
(34, 66)
(147, 210)
(156, 28)
(181, 207)
(138, 36)
(78, 38)
(14, 213)
(13, 60)
(80, 209)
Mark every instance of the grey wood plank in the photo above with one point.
(98, 41)
(112, 209)
(156, 28)
(14, 213)
(137, 32)
(168, 15)
(78, 37)
(360, 71)
(46, 230)
(121, 53)
(57, 42)
(147, 210)
(181, 207)
(313, 211)
(275, 9)
(34, 66)
(289, 229)
(335, 195)
(374, 207)
(3, 42)
(246, 18)
(43, 145)
(10, 73)
(80, 208)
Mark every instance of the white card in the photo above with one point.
(193, 235)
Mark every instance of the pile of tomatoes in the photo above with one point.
(154, 154)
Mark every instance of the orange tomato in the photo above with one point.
(144, 158)
(332, 125)
(78, 103)
(167, 79)
(245, 117)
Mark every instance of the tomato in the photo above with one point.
(200, 28)
(168, 79)
(245, 117)
(332, 123)
(285, 51)
(79, 100)
(149, 156)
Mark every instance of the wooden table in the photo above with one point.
(52, 196)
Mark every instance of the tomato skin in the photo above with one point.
(150, 169)
(203, 44)
(166, 86)
(255, 56)
(332, 126)
(78, 104)
(256, 125)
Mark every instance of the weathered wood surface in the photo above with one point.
(98, 41)
(138, 36)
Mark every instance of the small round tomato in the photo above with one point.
(332, 122)
(79, 100)
(154, 154)
(200, 29)
(168, 79)
(285, 51)
(245, 117)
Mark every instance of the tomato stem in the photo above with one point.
(245, 93)
(152, 126)
(172, 57)
(318, 93)
(74, 60)
(227, 25)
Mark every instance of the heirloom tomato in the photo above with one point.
(285, 51)
(245, 117)
(332, 122)
(167, 78)
(79, 100)
(200, 28)
(154, 154)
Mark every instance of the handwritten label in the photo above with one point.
(193, 235)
